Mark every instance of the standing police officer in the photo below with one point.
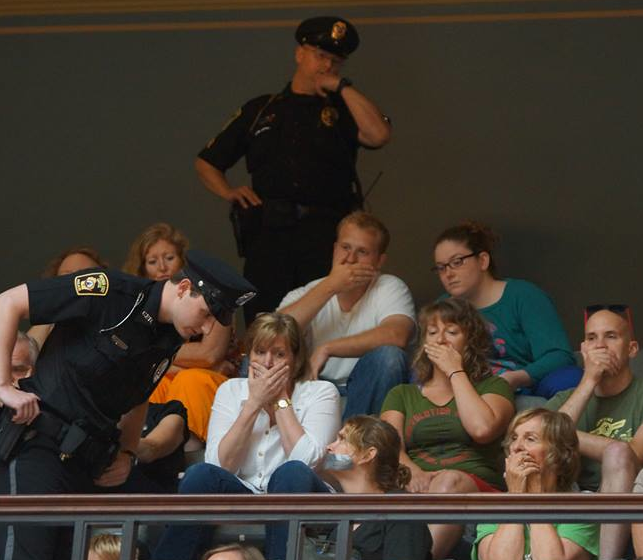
(78, 421)
(301, 149)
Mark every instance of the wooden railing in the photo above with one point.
(130, 511)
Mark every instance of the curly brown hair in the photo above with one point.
(559, 433)
(478, 238)
(477, 349)
(135, 263)
(363, 432)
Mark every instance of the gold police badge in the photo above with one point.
(92, 284)
(329, 116)
(339, 31)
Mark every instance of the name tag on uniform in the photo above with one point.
(119, 342)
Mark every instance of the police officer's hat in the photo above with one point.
(332, 34)
(222, 287)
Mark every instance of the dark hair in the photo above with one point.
(52, 266)
(477, 237)
(366, 220)
(267, 326)
(559, 433)
(135, 263)
(363, 432)
(477, 349)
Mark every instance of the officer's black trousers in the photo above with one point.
(37, 469)
(280, 260)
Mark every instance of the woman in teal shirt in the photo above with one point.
(531, 349)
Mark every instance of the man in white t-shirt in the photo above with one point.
(358, 320)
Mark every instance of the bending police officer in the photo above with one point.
(301, 148)
(78, 421)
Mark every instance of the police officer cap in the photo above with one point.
(332, 34)
(222, 287)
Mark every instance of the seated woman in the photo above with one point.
(364, 459)
(542, 456)
(531, 348)
(158, 253)
(452, 422)
(69, 261)
(265, 431)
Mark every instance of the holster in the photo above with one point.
(10, 433)
(75, 441)
(246, 225)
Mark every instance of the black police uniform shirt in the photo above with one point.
(302, 148)
(105, 354)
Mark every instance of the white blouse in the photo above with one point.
(317, 407)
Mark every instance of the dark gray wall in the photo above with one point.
(532, 125)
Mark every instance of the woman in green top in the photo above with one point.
(542, 456)
(452, 422)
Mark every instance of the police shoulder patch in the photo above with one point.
(92, 284)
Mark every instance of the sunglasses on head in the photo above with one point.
(620, 309)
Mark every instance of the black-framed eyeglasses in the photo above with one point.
(455, 262)
(620, 309)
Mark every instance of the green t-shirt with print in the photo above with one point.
(584, 535)
(617, 417)
(435, 438)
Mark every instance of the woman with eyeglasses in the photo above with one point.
(451, 422)
(531, 349)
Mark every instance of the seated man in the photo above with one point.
(358, 320)
(607, 407)
(23, 357)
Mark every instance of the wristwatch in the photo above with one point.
(344, 82)
(282, 404)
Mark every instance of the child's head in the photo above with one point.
(105, 546)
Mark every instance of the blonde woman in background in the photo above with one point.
(158, 253)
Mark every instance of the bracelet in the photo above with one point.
(454, 372)
(133, 456)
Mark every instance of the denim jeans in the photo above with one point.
(373, 376)
(293, 477)
(186, 542)
(560, 379)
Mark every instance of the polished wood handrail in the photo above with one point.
(298, 504)
(130, 511)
